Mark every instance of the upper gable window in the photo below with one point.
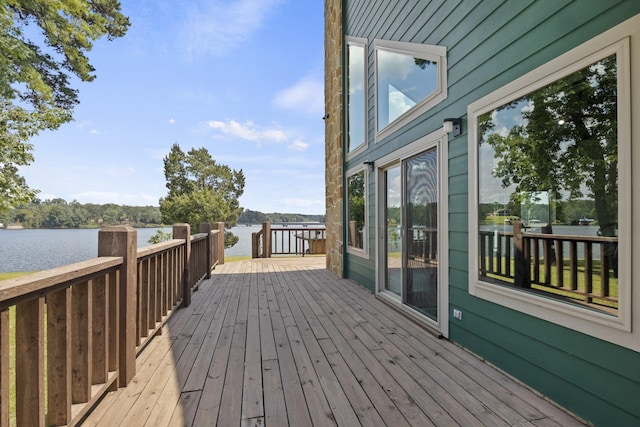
(356, 93)
(410, 79)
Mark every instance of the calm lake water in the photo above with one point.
(32, 250)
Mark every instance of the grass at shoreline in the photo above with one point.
(4, 276)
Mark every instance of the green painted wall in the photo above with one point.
(491, 43)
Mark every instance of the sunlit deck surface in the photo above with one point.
(280, 342)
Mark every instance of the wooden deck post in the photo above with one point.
(266, 239)
(522, 274)
(220, 247)
(183, 232)
(205, 227)
(122, 241)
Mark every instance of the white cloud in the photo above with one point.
(248, 131)
(215, 27)
(298, 145)
(306, 95)
(172, 121)
(94, 132)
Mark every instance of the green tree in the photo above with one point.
(201, 190)
(35, 90)
(567, 142)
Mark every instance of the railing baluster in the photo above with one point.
(160, 284)
(499, 254)
(100, 370)
(143, 297)
(559, 262)
(573, 264)
(492, 268)
(483, 254)
(507, 255)
(81, 337)
(114, 321)
(536, 259)
(547, 258)
(588, 271)
(604, 270)
(30, 362)
(4, 367)
(153, 293)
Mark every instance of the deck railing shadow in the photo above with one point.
(77, 329)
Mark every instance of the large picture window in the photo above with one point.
(356, 211)
(548, 178)
(410, 79)
(356, 93)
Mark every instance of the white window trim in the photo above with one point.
(424, 51)
(624, 329)
(364, 252)
(364, 43)
(436, 139)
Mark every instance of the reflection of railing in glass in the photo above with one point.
(582, 269)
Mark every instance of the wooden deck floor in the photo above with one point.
(284, 342)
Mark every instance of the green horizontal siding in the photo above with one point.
(489, 44)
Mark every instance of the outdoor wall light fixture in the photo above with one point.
(453, 126)
(370, 164)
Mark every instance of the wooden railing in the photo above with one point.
(91, 319)
(288, 241)
(582, 268)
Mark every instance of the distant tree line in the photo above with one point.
(564, 212)
(255, 217)
(57, 213)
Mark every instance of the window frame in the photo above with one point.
(423, 51)
(364, 43)
(364, 251)
(623, 329)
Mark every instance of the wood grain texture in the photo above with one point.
(277, 342)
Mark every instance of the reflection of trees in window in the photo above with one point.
(355, 209)
(562, 139)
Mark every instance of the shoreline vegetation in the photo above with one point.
(60, 214)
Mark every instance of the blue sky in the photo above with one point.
(242, 78)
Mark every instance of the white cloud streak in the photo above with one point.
(247, 131)
(307, 95)
(216, 27)
(298, 145)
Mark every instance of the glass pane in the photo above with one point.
(402, 82)
(393, 215)
(422, 233)
(356, 97)
(355, 210)
(548, 189)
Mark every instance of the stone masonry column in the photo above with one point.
(333, 96)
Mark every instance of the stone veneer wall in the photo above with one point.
(333, 132)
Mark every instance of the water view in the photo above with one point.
(32, 250)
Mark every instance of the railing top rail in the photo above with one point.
(198, 236)
(150, 250)
(298, 229)
(24, 287)
(552, 236)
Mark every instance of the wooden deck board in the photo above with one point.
(277, 342)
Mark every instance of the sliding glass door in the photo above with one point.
(421, 233)
(410, 271)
